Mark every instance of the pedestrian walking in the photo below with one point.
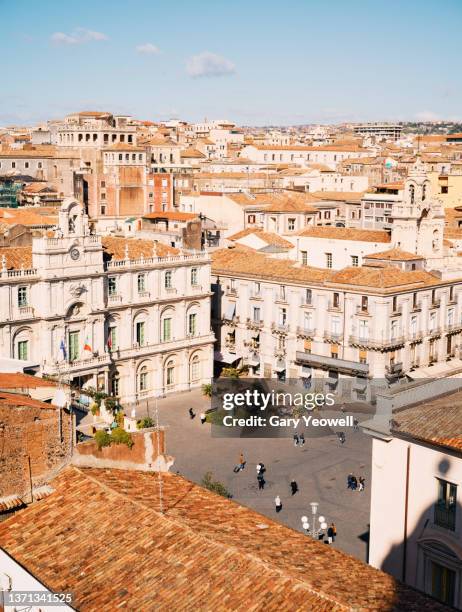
(241, 461)
(334, 531)
(203, 418)
(261, 468)
(278, 503)
(296, 440)
(302, 439)
(330, 534)
(341, 437)
(355, 425)
(293, 486)
(191, 413)
(361, 483)
(354, 483)
(261, 482)
(350, 481)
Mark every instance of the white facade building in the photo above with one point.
(129, 316)
(416, 518)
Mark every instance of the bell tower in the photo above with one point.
(418, 221)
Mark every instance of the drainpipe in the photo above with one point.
(406, 507)
(344, 329)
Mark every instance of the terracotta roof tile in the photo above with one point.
(13, 400)
(436, 421)
(345, 233)
(237, 261)
(115, 246)
(9, 380)
(17, 257)
(384, 278)
(268, 237)
(181, 559)
(394, 255)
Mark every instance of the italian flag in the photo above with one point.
(87, 347)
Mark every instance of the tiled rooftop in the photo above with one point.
(101, 535)
(268, 237)
(436, 422)
(116, 247)
(394, 255)
(345, 233)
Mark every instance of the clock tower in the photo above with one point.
(72, 251)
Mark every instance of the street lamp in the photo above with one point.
(314, 530)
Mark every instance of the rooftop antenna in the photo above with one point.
(159, 475)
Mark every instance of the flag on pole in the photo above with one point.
(86, 346)
(62, 347)
(109, 342)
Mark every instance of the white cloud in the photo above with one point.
(208, 64)
(426, 116)
(77, 37)
(148, 49)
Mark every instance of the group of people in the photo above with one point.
(299, 440)
(192, 415)
(355, 484)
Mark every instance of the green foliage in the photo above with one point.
(120, 436)
(230, 373)
(214, 485)
(207, 390)
(102, 438)
(145, 423)
(97, 396)
(117, 436)
(111, 404)
(94, 408)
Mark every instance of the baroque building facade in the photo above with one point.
(128, 316)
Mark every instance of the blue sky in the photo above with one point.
(255, 62)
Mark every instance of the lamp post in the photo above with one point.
(314, 530)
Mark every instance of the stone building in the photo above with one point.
(125, 315)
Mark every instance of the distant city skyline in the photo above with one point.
(253, 63)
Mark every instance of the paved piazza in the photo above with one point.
(320, 468)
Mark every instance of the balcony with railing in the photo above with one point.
(254, 323)
(280, 352)
(25, 312)
(233, 321)
(445, 515)
(305, 332)
(415, 336)
(281, 328)
(114, 298)
(454, 328)
(333, 336)
(435, 332)
(376, 344)
(230, 290)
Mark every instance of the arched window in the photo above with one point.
(411, 193)
(115, 384)
(170, 373)
(435, 240)
(143, 378)
(195, 369)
